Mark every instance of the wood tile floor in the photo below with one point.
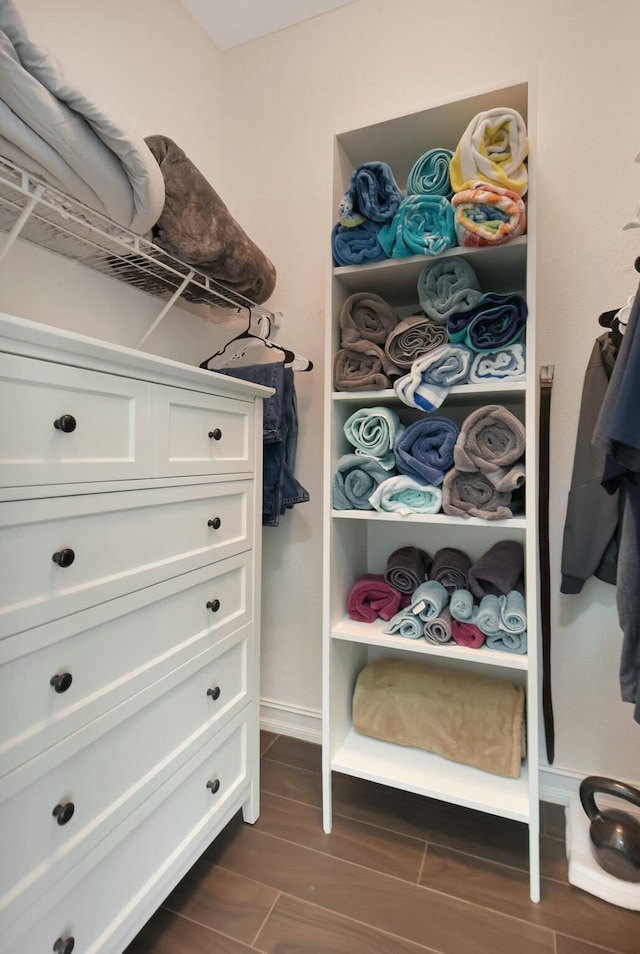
(398, 875)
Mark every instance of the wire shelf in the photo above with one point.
(38, 213)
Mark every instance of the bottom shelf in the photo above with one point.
(426, 774)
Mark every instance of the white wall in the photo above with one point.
(282, 99)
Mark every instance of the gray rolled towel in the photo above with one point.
(498, 570)
(490, 438)
(412, 338)
(197, 227)
(366, 321)
(353, 371)
(407, 568)
(355, 480)
(438, 630)
(446, 287)
(473, 495)
(451, 568)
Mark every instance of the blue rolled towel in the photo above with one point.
(374, 432)
(508, 642)
(429, 600)
(357, 246)
(430, 174)
(424, 450)
(494, 322)
(488, 618)
(405, 623)
(423, 225)
(513, 612)
(447, 287)
(461, 606)
(355, 480)
(372, 193)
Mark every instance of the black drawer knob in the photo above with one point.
(214, 693)
(214, 785)
(64, 945)
(61, 681)
(64, 557)
(66, 423)
(216, 435)
(215, 523)
(64, 813)
(213, 605)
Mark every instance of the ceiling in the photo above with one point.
(232, 22)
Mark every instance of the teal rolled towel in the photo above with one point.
(404, 495)
(447, 287)
(429, 600)
(488, 618)
(405, 623)
(461, 606)
(508, 642)
(430, 174)
(423, 225)
(513, 612)
(374, 431)
(355, 480)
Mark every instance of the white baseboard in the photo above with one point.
(556, 784)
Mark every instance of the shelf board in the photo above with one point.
(459, 393)
(431, 775)
(515, 523)
(498, 269)
(372, 634)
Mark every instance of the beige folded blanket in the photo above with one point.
(461, 716)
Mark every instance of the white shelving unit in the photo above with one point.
(357, 542)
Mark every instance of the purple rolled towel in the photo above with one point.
(451, 568)
(407, 568)
(498, 570)
(371, 597)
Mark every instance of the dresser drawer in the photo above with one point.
(103, 656)
(118, 542)
(203, 434)
(104, 782)
(109, 903)
(107, 417)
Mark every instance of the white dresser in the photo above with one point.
(130, 510)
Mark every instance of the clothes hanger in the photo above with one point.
(248, 348)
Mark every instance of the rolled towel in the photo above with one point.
(412, 338)
(429, 600)
(407, 568)
(438, 629)
(507, 363)
(353, 371)
(430, 377)
(448, 286)
(451, 568)
(488, 617)
(508, 642)
(493, 148)
(490, 438)
(405, 623)
(462, 607)
(370, 597)
(366, 321)
(486, 215)
(423, 225)
(354, 481)
(429, 175)
(357, 246)
(495, 321)
(374, 432)
(425, 449)
(466, 634)
(498, 569)
(513, 612)
(507, 479)
(372, 193)
(404, 495)
(473, 495)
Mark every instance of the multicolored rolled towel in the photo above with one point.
(430, 377)
(372, 193)
(404, 495)
(513, 612)
(493, 148)
(466, 634)
(358, 245)
(495, 321)
(451, 568)
(407, 568)
(423, 225)
(353, 371)
(507, 363)
(374, 432)
(485, 215)
(490, 438)
(472, 495)
(412, 338)
(438, 629)
(508, 642)
(405, 623)
(370, 597)
(488, 616)
(446, 287)
(430, 174)
(498, 570)
(424, 450)
(354, 481)
(462, 607)
(429, 600)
